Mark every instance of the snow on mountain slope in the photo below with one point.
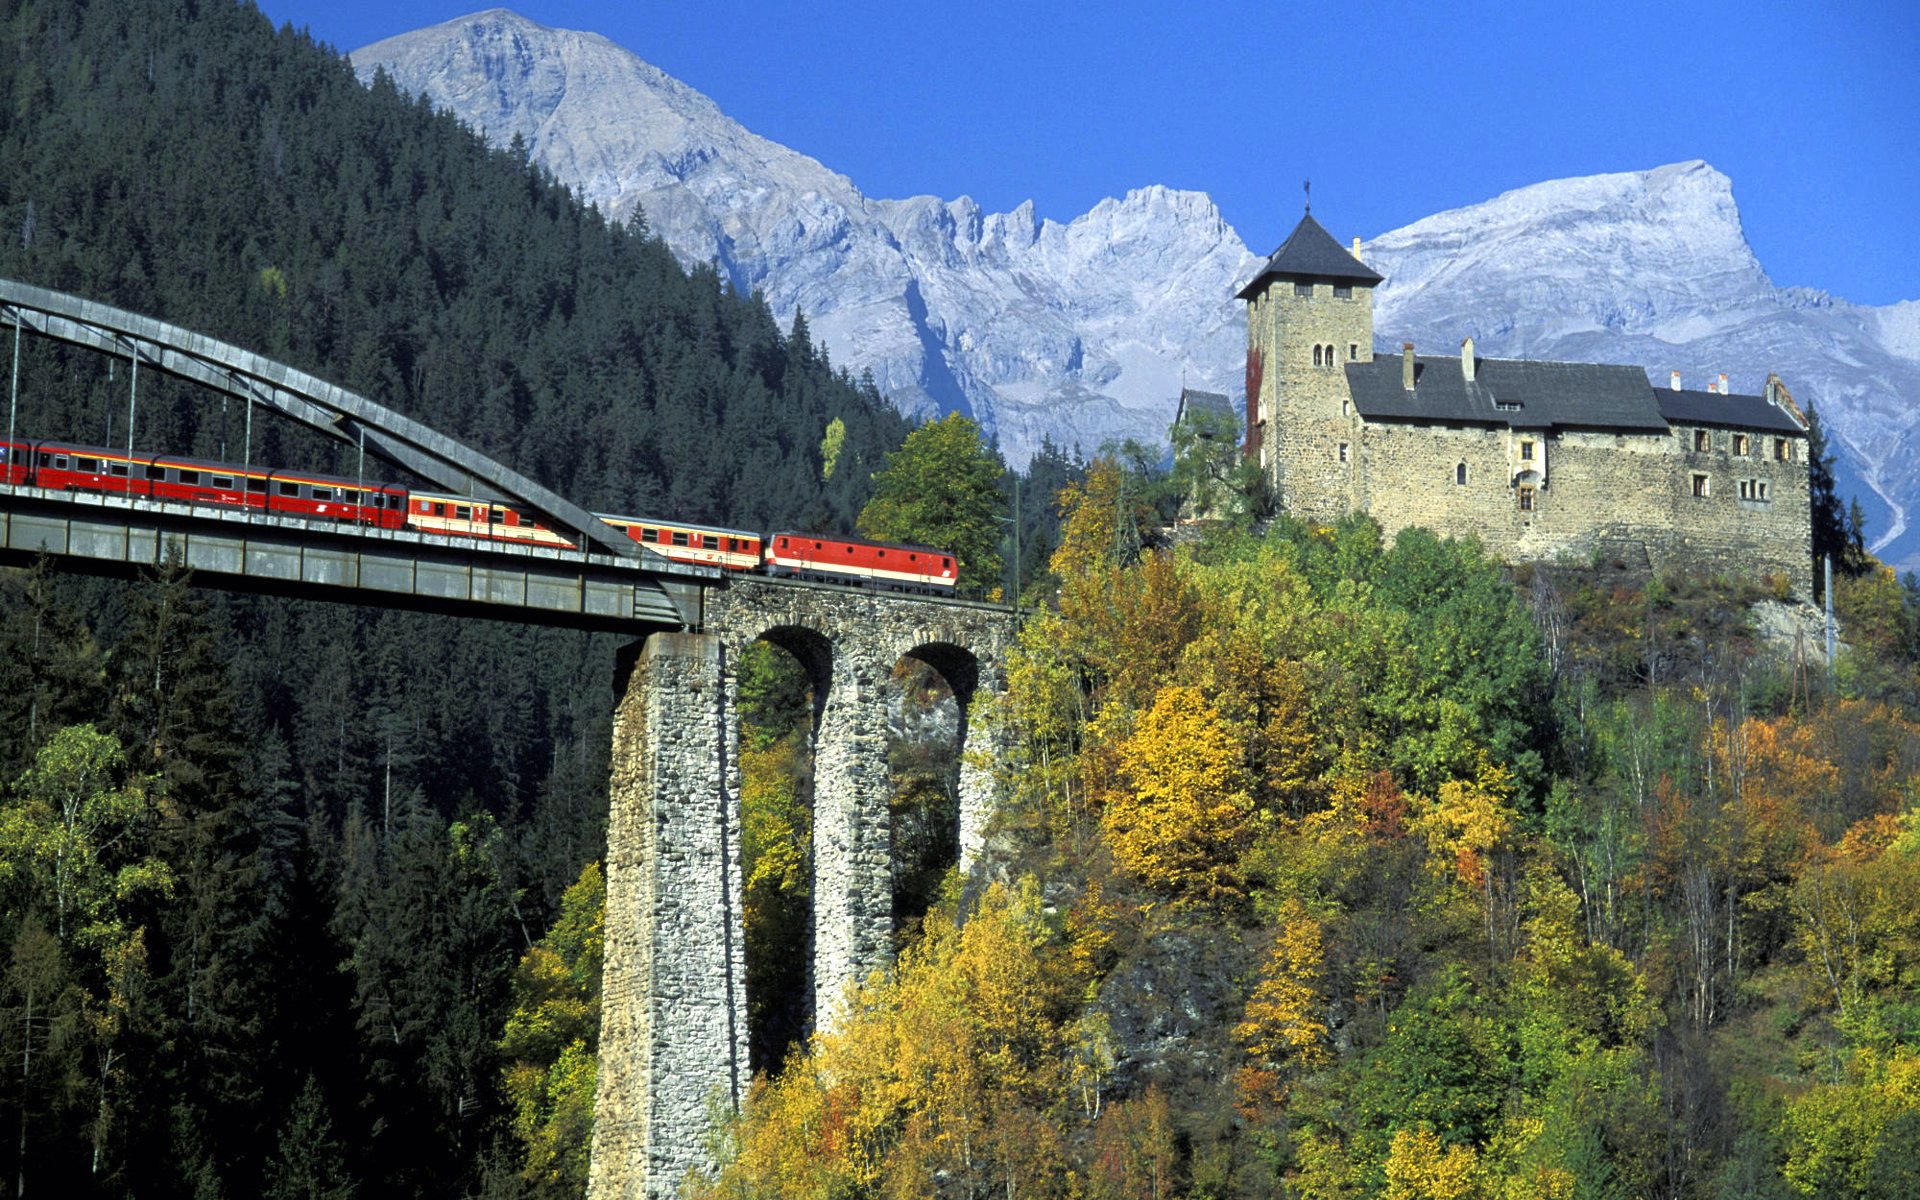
(1084, 331)
(1652, 268)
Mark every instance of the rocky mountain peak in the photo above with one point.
(1085, 331)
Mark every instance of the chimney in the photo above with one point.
(1356, 246)
(1723, 383)
(1675, 385)
(1406, 365)
(1466, 357)
(1773, 389)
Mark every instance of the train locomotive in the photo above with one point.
(828, 558)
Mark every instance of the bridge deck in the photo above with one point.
(248, 550)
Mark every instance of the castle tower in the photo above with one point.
(1309, 313)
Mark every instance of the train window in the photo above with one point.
(60, 461)
(849, 549)
(913, 558)
(119, 469)
(649, 535)
(221, 481)
(946, 562)
(189, 477)
(321, 493)
(880, 554)
(462, 512)
(496, 517)
(679, 539)
(783, 541)
(86, 464)
(43, 458)
(440, 510)
(154, 470)
(289, 489)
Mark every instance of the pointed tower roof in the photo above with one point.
(1310, 253)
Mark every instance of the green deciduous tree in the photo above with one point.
(941, 488)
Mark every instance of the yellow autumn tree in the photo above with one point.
(1184, 812)
(950, 1068)
(1420, 1168)
(1283, 1020)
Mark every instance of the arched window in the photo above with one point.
(1460, 475)
(1316, 356)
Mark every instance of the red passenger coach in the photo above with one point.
(16, 462)
(328, 497)
(854, 560)
(67, 467)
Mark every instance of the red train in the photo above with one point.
(62, 466)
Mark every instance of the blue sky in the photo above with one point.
(1393, 110)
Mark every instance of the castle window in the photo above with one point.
(1342, 293)
(1760, 485)
(1343, 452)
(1740, 444)
(1316, 356)
(1746, 489)
(1526, 451)
(1700, 487)
(1303, 290)
(1460, 475)
(1701, 441)
(1353, 351)
(1524, 495)
(1782, 450)
(1346, 408)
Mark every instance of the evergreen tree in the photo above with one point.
(1833, 540)
(309, 1162)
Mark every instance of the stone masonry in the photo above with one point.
(673, 1042)
(673, 1036)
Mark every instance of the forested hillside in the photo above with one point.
(1335, 868)
(266, 868)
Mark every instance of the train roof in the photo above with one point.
(212, 464)
(672, 524)
(848, 540)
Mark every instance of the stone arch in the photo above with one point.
(962, 666)
(811, 648)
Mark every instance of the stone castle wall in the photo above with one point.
(1625, 495)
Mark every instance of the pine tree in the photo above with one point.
(1831, 540)
(309, 1163)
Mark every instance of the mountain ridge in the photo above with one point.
(1083, 331)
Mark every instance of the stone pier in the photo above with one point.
(673, 1036)
(673, 1030)
(852, 833)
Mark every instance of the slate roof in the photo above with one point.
(1193, 400)
(1310, 253)
(1689, 407)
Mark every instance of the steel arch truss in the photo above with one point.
(332, 410)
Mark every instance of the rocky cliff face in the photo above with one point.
(1081, 332)
(1084, 331)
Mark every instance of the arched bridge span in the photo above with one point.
(331, 409)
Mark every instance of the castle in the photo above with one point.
(1540, 460)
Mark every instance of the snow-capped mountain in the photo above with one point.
(1085, 331)
(1082, 332)
(1651, 268)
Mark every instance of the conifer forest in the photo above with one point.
(1328, 865)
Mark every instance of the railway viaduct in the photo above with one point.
(673, 1041)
